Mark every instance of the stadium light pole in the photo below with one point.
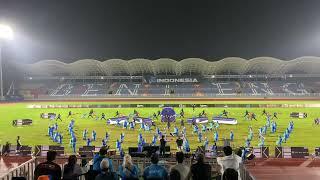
(5, 34)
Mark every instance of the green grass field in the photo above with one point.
(304, 133)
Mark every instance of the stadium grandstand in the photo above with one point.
(163, 80)
(192, 77)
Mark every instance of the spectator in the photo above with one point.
(179, 142)
(106, 173)
(154, 171)
(200, 170)
(184, 171)
(99, 157)
(174, 175)
(72, 170)
(230, 160)
(18, 143)
(230, 174)
(128, 170)
(49, 167)
(6, 149)
(162, 146)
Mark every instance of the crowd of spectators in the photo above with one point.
(102, 168)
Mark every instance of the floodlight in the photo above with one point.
(6, 32)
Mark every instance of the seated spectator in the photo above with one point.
(72, 170)
(49, 167)
(154, 171)
(99, 157)
(230, 160)
(106, 173)
(200, 170)
(230, 174)
(174, 175)
(128, 170)
(184, 171)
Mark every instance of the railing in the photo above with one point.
(245, 174)
(27, 169)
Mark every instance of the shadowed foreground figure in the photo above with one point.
(201, 170)
(230, 174)
(49, 167)
(106, 173)
(154, 171)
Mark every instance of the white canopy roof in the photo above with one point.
(230, 65)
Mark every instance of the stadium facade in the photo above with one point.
(192, 77)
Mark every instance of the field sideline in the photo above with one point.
(304, 134)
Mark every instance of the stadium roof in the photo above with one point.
(230, 65)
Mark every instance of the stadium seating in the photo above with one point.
(205, 88)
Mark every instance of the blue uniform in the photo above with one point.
(71, 142)
(70, 129)
(279, 142)
(186, 146)
(155, 171)
(134, 172)
(147, 128)
(210, 126)
(56, 138)
(195, 129)
(176, 131)
(140, 138)
(140, 147)
(131, 125)
(94, 135)
(142, 126)
(206, 143)
(216, 136)
(49, 131)
(107, 136)
(118, 145)
(261, 141)
(250, 136)
(231, 136)
(204, 128)
(84, 134)
(158, 131)
(125, 124)
(74, 142)
(121, 153)
(199, 137)
(247, 144)
(97, 160)
(217, 125)
(103, 142)
(60, 139)
(121, 137)
(154, 140)
(88, 142)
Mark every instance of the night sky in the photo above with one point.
(72, 30)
